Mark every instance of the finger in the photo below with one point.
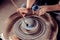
(42, 11)
(23, 10)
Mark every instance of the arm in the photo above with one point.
(48, 8)
(53, 7)
(30, 3)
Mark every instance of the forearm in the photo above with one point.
(53, 7)
(30, 3)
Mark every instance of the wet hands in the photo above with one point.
(41, 11)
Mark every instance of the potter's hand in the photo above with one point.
(40, 10)
(24, 11)
(43, 10)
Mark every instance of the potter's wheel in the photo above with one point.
(30, 27)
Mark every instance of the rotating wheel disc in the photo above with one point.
(27, 32)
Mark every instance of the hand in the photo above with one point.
(43, 10)
(24, 11)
